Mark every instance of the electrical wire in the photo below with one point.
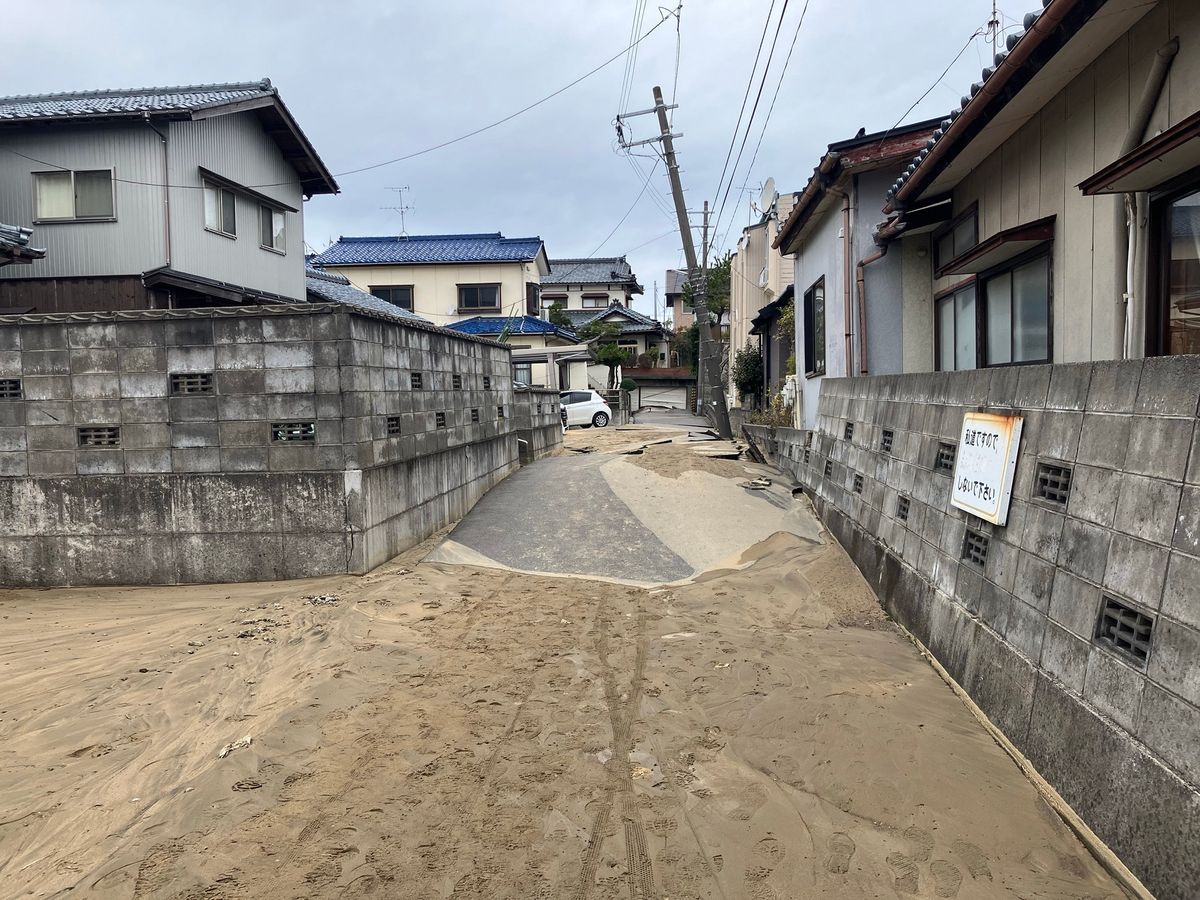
(750, 122)
(389, 162)
(746, 96)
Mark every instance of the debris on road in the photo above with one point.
(323, 600)
(239, 744)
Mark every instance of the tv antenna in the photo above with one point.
(401, 208)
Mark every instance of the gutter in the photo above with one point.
(166, 186)
(861, 278)
(812, 190)
(993, 85)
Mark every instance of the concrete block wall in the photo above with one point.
(1117, 735)
(539, 423)
(402, 428)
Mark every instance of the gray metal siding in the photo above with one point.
(128, 246)
(236, 147)
(882, 279)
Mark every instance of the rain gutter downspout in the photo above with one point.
(861, 278)
(846, 254)
(166, 186)
(1130, 209)
(1044, 25)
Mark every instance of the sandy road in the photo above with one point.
(452, 731)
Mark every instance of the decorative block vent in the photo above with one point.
(539, 409)
(885, 440)
(1125, 629)
(417, 380)
(184, 383)
(808, 439)
(99, 436)
(440, 419)
(294, 432)
(1053, 483)
(858, 483)
(943, 461)
(393, 426)
(902, 505)
(848, 434)
(807, 455)
(499, 412)
(487, 382)
(10, 389)
(975, 547)
(475, 417)
(456, 382)
(829, 468)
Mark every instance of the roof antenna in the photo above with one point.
(993, 26)
(402, 208)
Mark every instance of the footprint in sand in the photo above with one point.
(905, 873)
(922, 842)
(973, 859)
(771, 849)
(751, 800)
(946, 878)
(841, 848)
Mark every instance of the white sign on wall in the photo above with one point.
(984, 467)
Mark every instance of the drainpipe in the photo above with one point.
(861, 278)
(166, 197)
(1126, 214)
(846, 254)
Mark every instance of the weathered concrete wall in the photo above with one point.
(392, 431)
(1118, 737)
(539, 423)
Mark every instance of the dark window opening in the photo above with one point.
(399, 295)
(183, 383)
(472, 297)
(487, 382)
(1053, 483)
(292, 432)
(829, 468)
(814, 329)
(499, 412)
(1125, 629)
(807, 455)
(99, 436)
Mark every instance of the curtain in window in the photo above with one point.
(1031, 311)
(54, 195)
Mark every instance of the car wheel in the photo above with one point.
(600, 419)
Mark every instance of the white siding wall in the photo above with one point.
(821, 255)
(128, 246)
(236, 147)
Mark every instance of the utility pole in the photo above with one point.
(712, 395)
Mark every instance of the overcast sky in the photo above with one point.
(371, 81)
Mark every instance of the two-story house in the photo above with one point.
(157, 197)
(594, 284)
(445, 278)
(678, 311)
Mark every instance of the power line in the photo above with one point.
(389, 162)
(745, 97)
(753, 110)
(771, 108)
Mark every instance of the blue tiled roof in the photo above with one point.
(328, 287)
(108, 102)
(429, 248)
(486, 325)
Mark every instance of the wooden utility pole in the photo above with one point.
(710, 389)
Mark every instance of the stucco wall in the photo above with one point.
(198, 488)
(1116, 736)
(435, 287)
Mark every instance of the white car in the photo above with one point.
(586, 408)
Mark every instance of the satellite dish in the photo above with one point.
(768, 195)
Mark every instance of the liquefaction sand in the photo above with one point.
(451, 731)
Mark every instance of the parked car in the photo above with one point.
(586, 408)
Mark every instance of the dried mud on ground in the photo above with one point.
(443, 731)
(616, 439)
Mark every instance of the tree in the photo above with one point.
(558, 317)
(748, 371)
(716, 288)
(786, 326)
(605, 349)
(685, 344)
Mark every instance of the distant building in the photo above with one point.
(445, 278)
(679, 312)
(593, 284)
(526, 332)
(641, 335)
(157, 197)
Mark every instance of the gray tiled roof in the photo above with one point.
(676, 279)
(110, 102)
(429, 248)
(634, 321)
(597, 270)
(326, 287)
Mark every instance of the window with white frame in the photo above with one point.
(595, 301)
(271, 224)
(70, 196)
(220, 210)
